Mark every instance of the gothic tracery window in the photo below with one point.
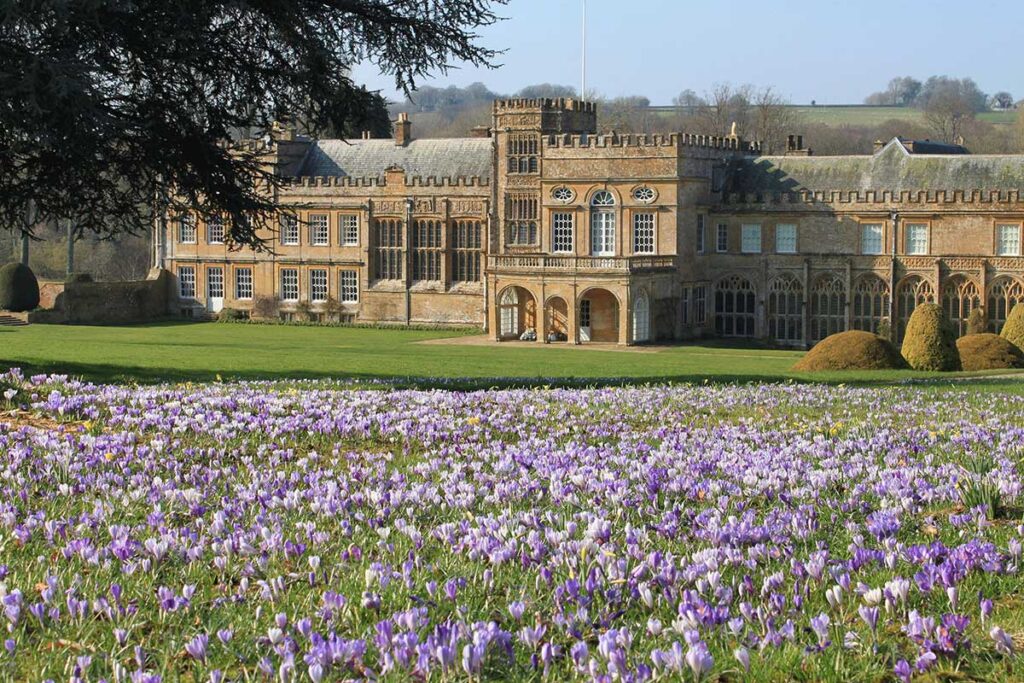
(735, 307)
(785, 319)
(828, 306)
(960, 296)
(870, 303)
(911, 292)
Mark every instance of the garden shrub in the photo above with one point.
(988, 352)
(853, 350)
(976, 322)
(19, 289)
(1013, 330)
(930, 343)
(231, 314)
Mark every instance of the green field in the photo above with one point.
(873, 116)
(203, 351)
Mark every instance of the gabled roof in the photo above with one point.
(439, 158)
(892, 168)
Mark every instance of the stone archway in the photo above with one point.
(517, 313)
(557, 311)
(598, 316)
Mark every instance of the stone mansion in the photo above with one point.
(538, 228)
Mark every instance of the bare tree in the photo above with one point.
(946, 113)
(722, 107)
(771, 120)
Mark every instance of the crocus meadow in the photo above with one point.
(309, 531)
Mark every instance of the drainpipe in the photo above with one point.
(71, 248)
(408, 260)
(894, 217)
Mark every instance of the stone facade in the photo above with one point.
(541, 229)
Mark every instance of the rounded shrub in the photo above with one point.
(930, 343)
(1013, 330)
(988, 352)
(230, 315)
(853, 350)
(19, 289)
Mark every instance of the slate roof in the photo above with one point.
(439, 158)
(892, 168)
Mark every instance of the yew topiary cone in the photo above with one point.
(930, 342)
(1013, 330)
(19, 289)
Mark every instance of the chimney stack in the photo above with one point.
(795, 146)
(879, 145)
(403, 130)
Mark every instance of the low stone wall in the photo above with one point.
(104, 303)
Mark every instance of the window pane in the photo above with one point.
(349, 286)
(871, 238)
(289, 284)
(1008, 240)
(243, 283)
(751, 239)
(562, 229)
(785, 239)
(723, 237)
(643, 233)
(187, 282)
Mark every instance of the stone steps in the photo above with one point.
(7, 320)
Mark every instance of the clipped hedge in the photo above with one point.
(19, 289)
(988, 352)
(853, 350)
(930, 342)
(1013, 330)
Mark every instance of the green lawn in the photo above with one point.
(873, 116)
(202, 351)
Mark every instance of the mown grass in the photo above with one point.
(176, 351)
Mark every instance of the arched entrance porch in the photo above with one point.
(517, 314)
(598, 317)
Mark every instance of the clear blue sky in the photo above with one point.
(832, 51)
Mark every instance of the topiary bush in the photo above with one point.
(853, 350)
(988, 352)
(227, 315)
(1013, 330)
(19, 289)
(930, 342)
(976, 322)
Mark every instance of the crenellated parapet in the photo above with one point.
(371, 182)
(710, 142)
(949, 199)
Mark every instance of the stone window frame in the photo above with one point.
(319, 290)
(186, 276)
(914, 223)
(746, 229)
(319, 229)
(427, 245)
(648, 222)
(211, 235)
(348, 229)
(563, 228)
(795, 239)
(701, 236)
(722, 238)
(289, 230)
(239, 284)
(998, 225)
(865, 225)
(213, 282)
(187, 222)
(700, 304)
(466, 241)
(348, 286)
(289, 284)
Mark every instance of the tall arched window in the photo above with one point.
(602, 224)
(641, 318)
(785, 321)
(735, 307)
(1003, 294)
(911, 292)
(509, 309)
(828, 306)
(960, 296)
(870, 303)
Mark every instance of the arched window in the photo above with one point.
(870, 303)
(602, 224)
(828, 307)
(1003, 294)
(509, 308)
(960, 296)
(641, 318)
(911, 292)
(785, 298)
(735, 306)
